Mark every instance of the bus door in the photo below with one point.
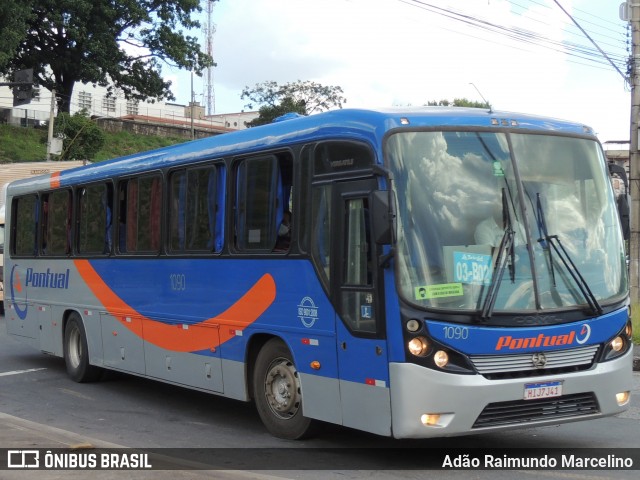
(357, 295)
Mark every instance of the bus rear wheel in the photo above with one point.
(278, 396)
(76, 352)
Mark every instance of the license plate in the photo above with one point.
(534, 391)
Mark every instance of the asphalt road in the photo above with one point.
(41, 407)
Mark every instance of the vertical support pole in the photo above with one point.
(51, 119)
(191, 107)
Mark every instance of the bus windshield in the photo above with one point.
(495, 222)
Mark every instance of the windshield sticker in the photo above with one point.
(472, 268)
(497, 169)
(439, 291)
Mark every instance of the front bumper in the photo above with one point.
(461, 399)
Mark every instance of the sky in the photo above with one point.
(408, 52)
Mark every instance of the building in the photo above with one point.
(94, 99)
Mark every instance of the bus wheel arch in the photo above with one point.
(76, 350)
(277, 392)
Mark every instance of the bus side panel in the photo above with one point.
(122, 349)
(364, 382)
(47, 331)
(202, 370)
(235, 386)
(20, 324)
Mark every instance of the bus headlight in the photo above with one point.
(441, 358)
(617, 344)
(418, 346)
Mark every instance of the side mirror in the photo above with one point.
(381, 217)
(624, 212)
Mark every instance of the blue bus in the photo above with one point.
(412, 273)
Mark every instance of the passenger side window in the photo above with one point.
(321, 231)
(139, 222)
(195, 218)
(25, 220)
(56, 223)
(263, 218)
(94, 219)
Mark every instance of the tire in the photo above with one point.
(278, 396)
(76, 352)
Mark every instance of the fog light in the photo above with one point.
(622, 398)
(617, 344)
(430, 419)
(441, 358)
(418, 346)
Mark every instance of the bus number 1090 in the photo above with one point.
(456, 333)
(178, 281)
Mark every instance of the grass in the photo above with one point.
(18, 144)
(127, 143)
(22, 144)
(635, 321)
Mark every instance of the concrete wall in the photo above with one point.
(156, 127)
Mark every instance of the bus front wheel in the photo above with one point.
(76, 352)
(278, 396)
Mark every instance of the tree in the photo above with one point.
(303, 97)
(118, 44)
(268, 113)
(458, 102)
(13, 27)
(82, 138)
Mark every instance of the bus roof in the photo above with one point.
(10, 172)
(348, 124)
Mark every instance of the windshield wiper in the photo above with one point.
(553, 242)
(504, 257)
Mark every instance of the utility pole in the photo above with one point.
(633, 11)
(191, 107)
(51, 119)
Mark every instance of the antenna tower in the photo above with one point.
(209, 31)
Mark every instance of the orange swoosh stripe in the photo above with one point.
(173, 337)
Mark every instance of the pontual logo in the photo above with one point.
(507, 342)
(46, 279)
(33, 279)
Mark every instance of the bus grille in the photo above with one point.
(522, 364)
(525, 411)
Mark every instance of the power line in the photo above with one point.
(592, 41)
(548, 7)
(519, 34)
(570, 26)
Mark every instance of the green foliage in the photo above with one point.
(118, 44)
(18, 144)
(458, 102)
(268, 113)
(635, 322)
(126, 143)
(22, 144)
(303, 97)
(82, 138)
(14, 15)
